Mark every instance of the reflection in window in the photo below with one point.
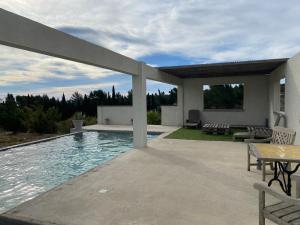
(225, 96)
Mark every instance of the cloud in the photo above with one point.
(193, 28)
(19, 66)
(201, 31)
(153, 86)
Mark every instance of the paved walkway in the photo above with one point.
(172, 182)
(150, 128)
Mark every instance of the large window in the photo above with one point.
(225, 96)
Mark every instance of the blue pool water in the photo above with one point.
(27, 171)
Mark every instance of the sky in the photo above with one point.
(158, 32)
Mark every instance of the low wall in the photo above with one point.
(117, 115)
(171, 116)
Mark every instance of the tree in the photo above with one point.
(77, 100)
(11, 116)
(225, 96)
(113, 95)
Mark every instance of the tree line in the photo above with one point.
(44, 114)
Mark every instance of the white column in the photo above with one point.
(292, 97)
(139, 108)
(180, 105)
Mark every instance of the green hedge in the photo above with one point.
(153, 117)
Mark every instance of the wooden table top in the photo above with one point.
(274, 152)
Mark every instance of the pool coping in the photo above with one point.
(64, 135)
(37, 141)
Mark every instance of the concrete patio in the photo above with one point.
(172, 182)
(150, 128)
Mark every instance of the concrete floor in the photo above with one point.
(172, 182)
(150, 128)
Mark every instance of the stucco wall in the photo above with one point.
(117, 115)
(256, 108)
(292, 94)
(171, 116)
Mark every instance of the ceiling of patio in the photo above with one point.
(243, 68)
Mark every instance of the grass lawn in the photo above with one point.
(196, 134)
(7, 138)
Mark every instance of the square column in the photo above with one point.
(139, 108)
(180, 105)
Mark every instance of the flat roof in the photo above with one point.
(240, 68)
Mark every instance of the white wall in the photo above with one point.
(256, 108)
(117, 115)
(291, 70)
(171, 116)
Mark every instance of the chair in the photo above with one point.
(194, 119)
(265, 132)
(259, 131)
(284, 212)
(280, 135)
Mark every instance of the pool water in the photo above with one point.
(27, 171)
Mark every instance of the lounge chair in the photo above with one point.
(256, 132)
(194, 120)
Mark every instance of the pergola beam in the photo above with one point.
(157, 75)
(20, 32)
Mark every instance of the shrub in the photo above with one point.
(63, 127)
(153, 117)
(90, 120)
(79, 116)
(43, 122)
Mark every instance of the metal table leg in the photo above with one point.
(282, 169)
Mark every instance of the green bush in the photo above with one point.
(78, 116)
(153, 117)
(42, 122)
(90, 120)
(63, 127)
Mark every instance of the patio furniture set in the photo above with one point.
(271, 147)
(279, 154)
(194, 121)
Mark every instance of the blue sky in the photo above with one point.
(163, 33)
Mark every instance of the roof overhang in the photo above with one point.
(244, 68)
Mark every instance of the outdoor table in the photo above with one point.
(282, 156)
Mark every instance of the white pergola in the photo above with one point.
(19, 32)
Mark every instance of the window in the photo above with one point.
(282, 94)
(225, 96)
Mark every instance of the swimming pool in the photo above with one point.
(30, 170)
